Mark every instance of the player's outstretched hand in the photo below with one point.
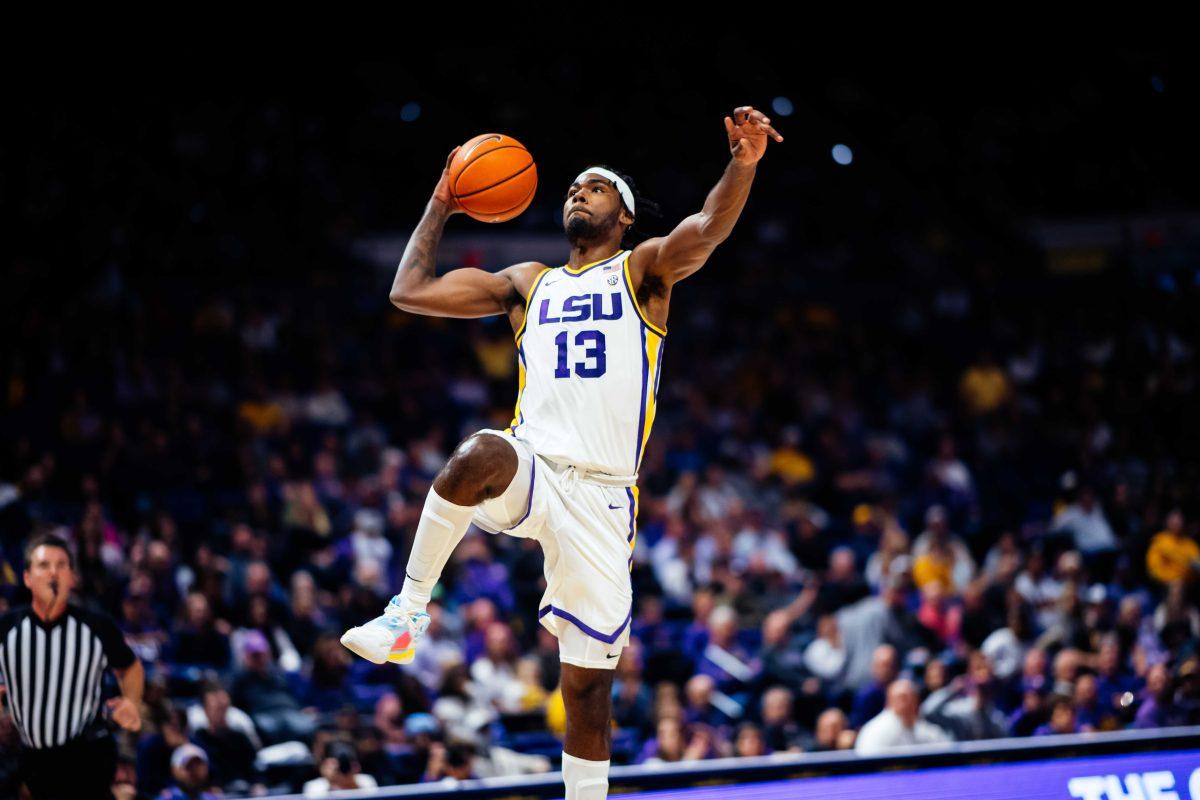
(748, 134)
(441, 192)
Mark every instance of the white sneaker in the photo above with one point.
(390, 637)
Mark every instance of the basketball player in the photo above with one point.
(589, 338)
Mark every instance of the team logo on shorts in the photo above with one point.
(612, 280)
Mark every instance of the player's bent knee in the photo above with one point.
(481, 467)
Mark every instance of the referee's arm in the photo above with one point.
(126, 708)
(131, 676)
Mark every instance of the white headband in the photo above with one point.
(622, 186)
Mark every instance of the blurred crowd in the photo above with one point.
(887, 559)
(898, 491)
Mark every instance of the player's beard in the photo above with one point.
(581, 228)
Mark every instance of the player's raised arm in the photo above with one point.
(685, 249)
(465, 292)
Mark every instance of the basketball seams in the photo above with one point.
(493, 185)
(528, 197)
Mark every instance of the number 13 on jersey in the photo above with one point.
(594, 363)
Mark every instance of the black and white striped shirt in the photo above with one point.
(53, 672)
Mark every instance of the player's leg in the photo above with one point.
(482, 467)
(587, 695)
(587, 605)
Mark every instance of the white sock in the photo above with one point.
(441, 528)
(585, 780)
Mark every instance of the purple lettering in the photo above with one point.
(598, 306)
(576, 305)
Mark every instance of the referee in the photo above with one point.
(52, 660)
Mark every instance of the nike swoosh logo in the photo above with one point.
(610, 505)
(613, 655)
(550, 282)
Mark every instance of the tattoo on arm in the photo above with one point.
(419, 262)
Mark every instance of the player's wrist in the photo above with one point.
(441, 208)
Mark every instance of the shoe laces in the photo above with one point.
(417, 621)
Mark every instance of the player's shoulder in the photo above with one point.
(524, 275)
(645, 254)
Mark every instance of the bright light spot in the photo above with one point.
(842, 154)
(1156, 83)
(782, 106)
(410, 112)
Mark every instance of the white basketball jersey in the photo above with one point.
(588, 366)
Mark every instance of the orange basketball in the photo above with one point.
(493, 177)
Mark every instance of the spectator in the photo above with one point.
(1176, 621)
(230, 752)
(898, 725)
(1113, 680)
(939, 615)
(631, 697)
(1062, 718)
(495, 672)
(199, 640)
(749, 741)
(780, 731)
(870, 699)
(154, 769)
(328, 687)
(939, 555)
(1084, 520)
(340, 770)
(462, 706)
(306, 619)
(1173, 556)
(842, 584)
(667, 744)
(189, 768)
(893, 546)
(1031, 714)
(966, 707)
(885, 619)
(1157, 709)
(1039, 588)
(451, 764)
(439, 650)
(1089, 712)
(825, 656)
(782, 662)
(731, 665)
(264, 693)
(702, 707)
(984, 387)
(833, 731)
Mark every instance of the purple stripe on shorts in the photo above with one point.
(590, 631)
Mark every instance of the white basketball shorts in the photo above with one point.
(587, 533)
